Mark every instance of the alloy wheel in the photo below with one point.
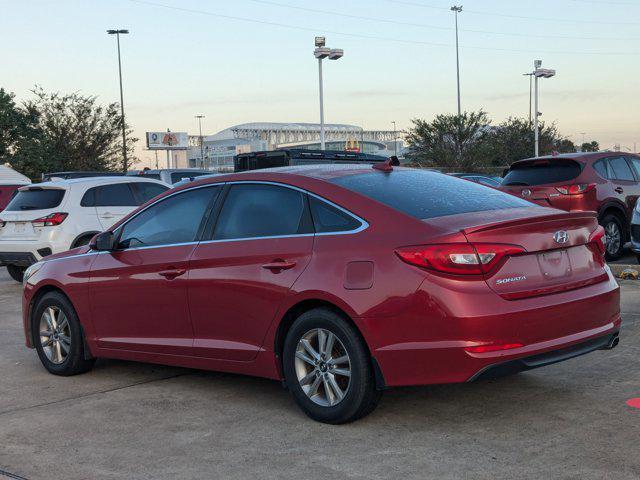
(55, 335)
(613, 238)
(323, 367)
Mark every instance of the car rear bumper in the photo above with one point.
(19, 259)
(27, 252)
(430, 344)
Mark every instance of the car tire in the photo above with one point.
(317, 377)
(58, 336)
(15, 272)
(613, 229)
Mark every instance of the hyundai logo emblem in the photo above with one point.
(526, 192)
(561, 236)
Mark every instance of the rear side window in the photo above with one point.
(145, 191)
(173, 220)
(327, 218)
(36, 199)
(602, 168)
(116, 195)
(256, 210)
(636, 164)
(423, 194)
(541, 172)
(620, 169)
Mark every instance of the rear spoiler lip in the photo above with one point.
(538, 218)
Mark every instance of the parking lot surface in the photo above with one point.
(138, 421)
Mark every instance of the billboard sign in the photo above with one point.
(167, 140)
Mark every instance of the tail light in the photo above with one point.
(50, 220)
(598, 240)
(459, 258)
(576, 189)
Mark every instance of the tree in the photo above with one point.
(590, 146)
(450, 141)
(12, 124)
(68, 132)
(514, 139)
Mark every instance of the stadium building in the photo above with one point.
(219, 149)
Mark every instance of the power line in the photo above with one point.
(436, 27)
(371, 37)
(522, 17)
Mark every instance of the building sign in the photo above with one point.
(352, 145)
(167, 140)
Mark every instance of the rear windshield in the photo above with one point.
(541, 172)
(35, 199)
(423, 194)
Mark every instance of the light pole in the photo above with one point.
(124, 128)
(457, 10)
(539, 73)
(530, 75)
(395, 138)
(321, 52)
(200, 117)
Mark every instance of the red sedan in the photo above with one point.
(340, 280)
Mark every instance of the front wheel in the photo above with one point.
(328, 369)
(614, 238)
(15, 272)
(58, 336)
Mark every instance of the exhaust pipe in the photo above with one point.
(612, 343)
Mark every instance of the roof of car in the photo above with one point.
(90, 181)
(577, 156)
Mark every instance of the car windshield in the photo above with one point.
(424, 194)
(35, 199)
(541, 172)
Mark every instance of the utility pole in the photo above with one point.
(124, 128)
(200, 117)
(457, 10)
(395, 138)
(321, 52)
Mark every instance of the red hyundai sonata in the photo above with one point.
(339, 280)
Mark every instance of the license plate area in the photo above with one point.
(555, 264)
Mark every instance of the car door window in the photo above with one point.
(176, 219)
(259, 210)
(621, 170)
(115, 195)
(327, 218)
(636, 165)
(145, 191)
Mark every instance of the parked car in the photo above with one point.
(52, 217)
(340, 280)
(47, 177)
(10, 181)
(607, 183)
(300, 156)
(173, 175)
(186, 180)
(482, 179)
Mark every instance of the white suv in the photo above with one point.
(52, 217)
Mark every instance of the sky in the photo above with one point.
(252, 60)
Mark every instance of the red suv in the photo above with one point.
(340, 280)
(604, 182)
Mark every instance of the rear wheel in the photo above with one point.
(16, 272)
(328, 369)
(614, 236)
(58, 336)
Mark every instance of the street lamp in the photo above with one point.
(457, 10)
(321, 52)
(200, 117)
(539, 73)
(124, 129)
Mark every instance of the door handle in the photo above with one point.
(619, 189)
(172, 273)
(107, 215)
(278, 265)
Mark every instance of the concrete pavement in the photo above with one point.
(136, 421)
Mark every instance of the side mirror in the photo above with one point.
(102, 242)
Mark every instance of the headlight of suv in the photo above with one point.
(31, 271)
